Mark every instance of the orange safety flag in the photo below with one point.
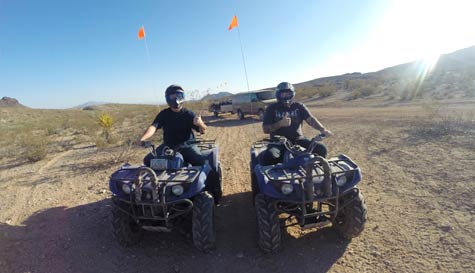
(141, 33)
(234, 23)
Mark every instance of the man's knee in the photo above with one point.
(321, 150)
(270, 156)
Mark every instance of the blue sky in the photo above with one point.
(56, 54)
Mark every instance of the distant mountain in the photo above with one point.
(89, 104)
(10, 102)
(217, 96)
(452, 76)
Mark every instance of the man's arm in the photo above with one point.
(150, 131)
(313, 121)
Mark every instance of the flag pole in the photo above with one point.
(243, 58)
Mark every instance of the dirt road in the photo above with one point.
(55, 213)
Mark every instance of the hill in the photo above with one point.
(10, 102)
(217, 96)
(89, 104)
(452, 76)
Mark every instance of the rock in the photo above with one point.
(176, 268)
(9, 221)
(446, 227)
(240, 255)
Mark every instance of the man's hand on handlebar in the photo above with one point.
(326, 132)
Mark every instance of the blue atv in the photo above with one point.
(310, 190)
(167, 194)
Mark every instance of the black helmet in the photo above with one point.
(285, 93)
(175, 96)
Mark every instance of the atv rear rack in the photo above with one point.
(299, 172)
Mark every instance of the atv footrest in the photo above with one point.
(318, 224)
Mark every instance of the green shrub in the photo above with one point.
(106, 122)
(326, 90)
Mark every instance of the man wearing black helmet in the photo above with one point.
(178, 124)
(285, 118)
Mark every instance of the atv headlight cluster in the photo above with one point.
(126, 187)
(177, 190)
(341, 180)
(287, 188)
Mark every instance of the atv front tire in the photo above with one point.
(268, 225)
(351, 219)
(204, 234)
(125, 230)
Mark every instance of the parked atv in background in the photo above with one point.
(166, 194)
(314, 191)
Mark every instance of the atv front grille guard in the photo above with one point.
(150, 211)
(299, 210)
(304, 175)
(158, 208)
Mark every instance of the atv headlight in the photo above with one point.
(177, 190)
(341, 180)
(287, 189)
(126, 188)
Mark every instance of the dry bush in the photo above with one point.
(326, 90)
(36, 149)
(439, 121)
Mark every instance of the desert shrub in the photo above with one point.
(354, 84)
(470, 90)
(367, 91)
(326, 90)
(438, 121)
(106, 122)
(36, 149)
(355, 94)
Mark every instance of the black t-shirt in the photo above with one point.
(177, 126)
(297, 112)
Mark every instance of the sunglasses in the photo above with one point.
(177, 95)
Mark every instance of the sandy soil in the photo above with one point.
(55, 214)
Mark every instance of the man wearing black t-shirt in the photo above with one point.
(177, 123)
(285, 118)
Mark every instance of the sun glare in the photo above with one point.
(430, 61)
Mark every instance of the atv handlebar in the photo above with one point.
(292, 149)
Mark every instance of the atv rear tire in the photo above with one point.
(125, 230)
(204, 234)
(261, 114)
(268, 225)
(351, 219)
(240, 114)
